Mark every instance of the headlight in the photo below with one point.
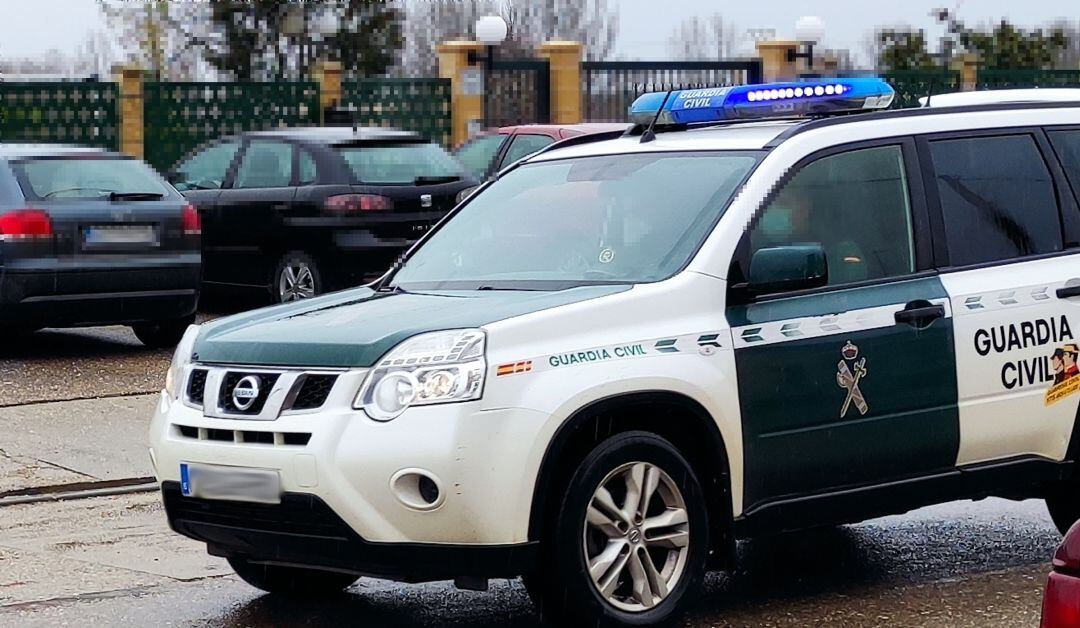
(181, 358)
(438, 367)
(464, 194)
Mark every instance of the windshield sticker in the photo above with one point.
(849, 372)
(1066, 382)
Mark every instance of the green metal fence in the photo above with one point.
(911, 85)
(78, 113)
(178, 117)
(421, 105)
(1006, 79)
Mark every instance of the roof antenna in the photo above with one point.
(929, 92)
(649, 135)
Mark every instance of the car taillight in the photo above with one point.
(191, 220)
(344, 203)
(25, 224)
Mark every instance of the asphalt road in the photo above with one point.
(112, 561)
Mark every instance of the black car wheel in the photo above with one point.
(291, 581)
(162, 334)
(1063, 502)
(628, 545)
(296, 277)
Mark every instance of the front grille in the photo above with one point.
(229, 382)
(313, 391)
(292, 439)
(197, 386)
(297, 514)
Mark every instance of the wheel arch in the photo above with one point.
(699, 439)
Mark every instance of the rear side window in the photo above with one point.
(1067, 145)
(265, 165)
(396, 164)
(207, 170)
(525, 145)
(307, 168)
(478, 154)
(48, 178)
(997, 198)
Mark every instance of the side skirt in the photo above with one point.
(1022, 477)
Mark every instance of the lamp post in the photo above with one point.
(491, 31)
(809, 30)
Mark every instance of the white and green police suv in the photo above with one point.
(626, 353)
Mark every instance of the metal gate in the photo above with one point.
(609, 87)
(517, 92)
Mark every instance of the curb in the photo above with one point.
(78, 490)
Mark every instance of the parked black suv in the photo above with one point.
(89, 237)
(308, 210)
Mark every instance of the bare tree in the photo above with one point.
(164, 37)
(703, 38)
(531, 22)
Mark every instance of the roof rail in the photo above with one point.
(817, 123)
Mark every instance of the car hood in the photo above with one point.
(355, 328)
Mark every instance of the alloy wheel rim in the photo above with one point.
(296, 282)
(637, 537)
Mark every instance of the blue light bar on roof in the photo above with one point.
(767, 100)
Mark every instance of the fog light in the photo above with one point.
(417, 489)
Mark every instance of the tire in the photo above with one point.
(291, 581)
(563, 589)
(1063, 502)
(162, 334)
(296, 277)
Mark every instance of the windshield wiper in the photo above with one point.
(135, 196)
(432, 180)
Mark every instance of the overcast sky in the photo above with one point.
(29, 27)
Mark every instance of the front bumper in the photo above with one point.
(481, 460)
(303, 530)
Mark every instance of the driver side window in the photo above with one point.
(854, 205)
(206, 170)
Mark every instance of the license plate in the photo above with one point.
(120, 234)
(230, 483)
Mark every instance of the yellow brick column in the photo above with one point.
(130, 79)
(969, 72)
(328, 76)
(774, 60)
(466, 102)
(564, 62)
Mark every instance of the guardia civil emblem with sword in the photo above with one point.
(848, 377)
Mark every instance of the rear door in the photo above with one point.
(1015, 290)
(853, 384)
(250, 208)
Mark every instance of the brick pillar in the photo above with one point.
(564, 62)
(466, 102)
(774, 60)
(969, 72)
(130, 79)
(328, 76)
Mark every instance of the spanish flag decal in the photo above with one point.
(514, 367)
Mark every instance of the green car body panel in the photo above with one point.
(355, 328)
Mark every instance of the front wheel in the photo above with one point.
(629, 543)
(1063, 502)
(291, 581)
(162, 334)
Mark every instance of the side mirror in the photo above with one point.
(785, 268)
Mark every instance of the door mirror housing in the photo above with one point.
(787, 268)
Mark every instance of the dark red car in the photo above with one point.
(1061, 602)
(490, 152)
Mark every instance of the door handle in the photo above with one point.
(920, 314)
(1068, 291)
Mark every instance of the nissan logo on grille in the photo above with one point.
(245, 392)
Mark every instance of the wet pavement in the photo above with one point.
(112, 561)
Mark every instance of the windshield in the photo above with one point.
(393, 164)
(628, 218)
(91, 178)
